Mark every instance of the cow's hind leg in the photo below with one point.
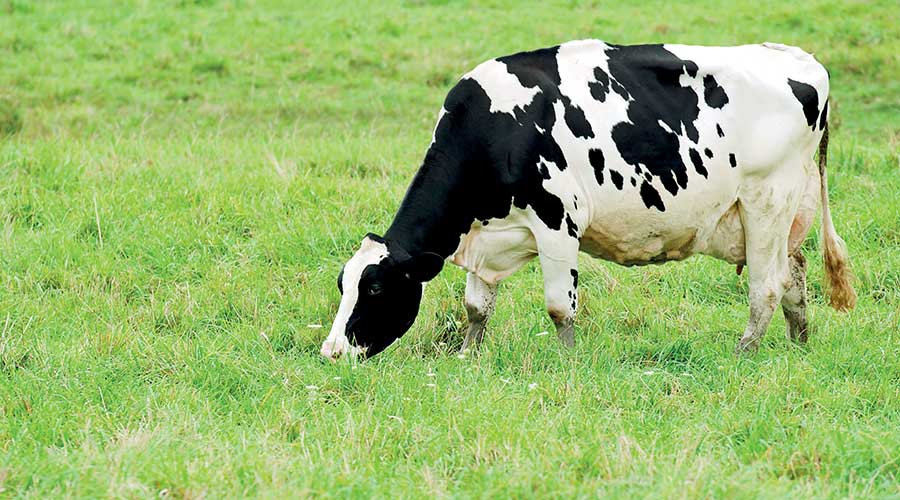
(480, 298)
(793, 304)
(768, 274)
(766, 219)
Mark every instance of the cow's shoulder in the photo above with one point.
(511, 84)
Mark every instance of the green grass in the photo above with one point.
(182, 180)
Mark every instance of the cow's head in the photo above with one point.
(381, 287)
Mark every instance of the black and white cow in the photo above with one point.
(634, 154)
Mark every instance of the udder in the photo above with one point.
(726, 241)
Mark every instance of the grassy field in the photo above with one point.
(182, 180)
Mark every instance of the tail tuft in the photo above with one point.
(837, 259)
(840, 277)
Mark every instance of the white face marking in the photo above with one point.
(337, 343)
(502, 87)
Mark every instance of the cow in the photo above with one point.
(637, 155)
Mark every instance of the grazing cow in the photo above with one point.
(633, 154)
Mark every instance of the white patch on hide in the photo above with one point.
(502, 87)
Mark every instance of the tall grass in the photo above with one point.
(184, 181)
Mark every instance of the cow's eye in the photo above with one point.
(374, 289)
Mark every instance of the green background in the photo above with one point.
(180, 182)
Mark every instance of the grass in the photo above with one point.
(182, 182)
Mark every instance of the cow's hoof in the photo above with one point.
(746, 348)
(566, 336)
(798, 337)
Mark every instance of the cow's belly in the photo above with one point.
(638, 249)
(634, 242)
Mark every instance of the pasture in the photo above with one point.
(180, 183)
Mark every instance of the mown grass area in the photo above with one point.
(181, 182)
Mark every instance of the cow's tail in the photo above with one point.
(837, 260)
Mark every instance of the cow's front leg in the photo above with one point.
(561, 293)
(480, 298)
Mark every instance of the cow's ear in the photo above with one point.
(370, 240)
(423, 267)
(374, 237)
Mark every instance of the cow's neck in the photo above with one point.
(433, 213)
